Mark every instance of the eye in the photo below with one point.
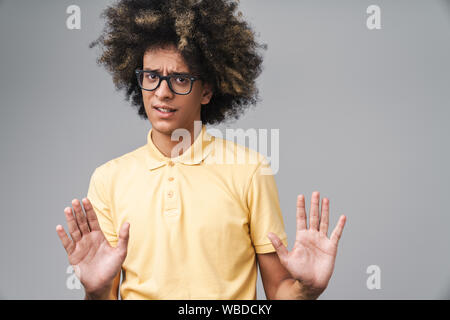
(152, 76)
(181, 79)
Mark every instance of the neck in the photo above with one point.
(164, 143)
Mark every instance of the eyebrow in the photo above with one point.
(177, 73)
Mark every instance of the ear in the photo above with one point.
(206, 93)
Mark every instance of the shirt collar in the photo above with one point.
(196, 153)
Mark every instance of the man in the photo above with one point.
(182, 223)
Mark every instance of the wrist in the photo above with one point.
(292, 289)
(303, 292)
(101, 294)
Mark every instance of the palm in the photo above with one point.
(311, 260)
(95, 261)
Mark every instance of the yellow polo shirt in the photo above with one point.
(196, 220)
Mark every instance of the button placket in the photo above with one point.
(170, 194)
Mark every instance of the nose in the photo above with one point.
(163, 91)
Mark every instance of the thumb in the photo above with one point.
(279, 247)
(124, 235)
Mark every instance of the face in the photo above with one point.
(188, 107)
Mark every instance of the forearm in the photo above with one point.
(291, 289)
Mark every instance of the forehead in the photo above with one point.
(163, 59)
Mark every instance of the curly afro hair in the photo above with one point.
(214, 42)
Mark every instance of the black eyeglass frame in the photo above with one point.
(167, 78)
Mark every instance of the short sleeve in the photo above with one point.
(97, 195)
(264, 209)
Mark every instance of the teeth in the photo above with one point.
(164, 110)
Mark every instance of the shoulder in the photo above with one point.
(230, 153)
(125, 163)
(237, 161)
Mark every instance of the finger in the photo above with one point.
(81, 218)
(66, 242)
(124, 235)
(282, 251)
(301, 213)
(337, 232)
(75, 233)
(90, 215)
(324, 217)
(314, 211)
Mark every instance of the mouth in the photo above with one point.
(165, 109)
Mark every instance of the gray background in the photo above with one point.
(363, 118)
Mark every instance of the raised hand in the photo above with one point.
(94, 260)
(311, 260)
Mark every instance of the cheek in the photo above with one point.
(147, 99)
(194, 97)
(146, 95)
(191, 100)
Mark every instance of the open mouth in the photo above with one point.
(165, 110)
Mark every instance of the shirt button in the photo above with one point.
(170, 194)
(171, 179)
(171, 163)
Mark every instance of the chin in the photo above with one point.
(164, 127)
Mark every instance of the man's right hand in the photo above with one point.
(94, 260)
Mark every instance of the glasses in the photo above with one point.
(178, 83)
